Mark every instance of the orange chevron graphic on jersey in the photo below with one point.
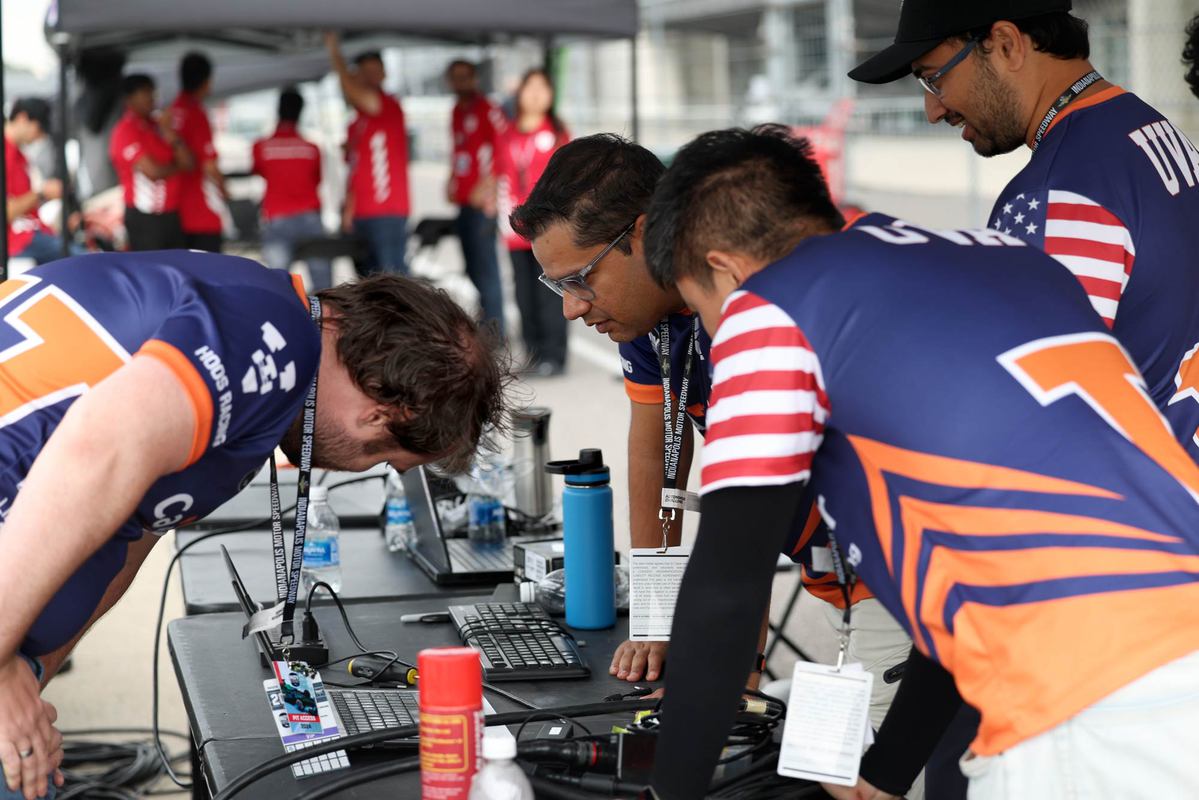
(878, 459)
(64, 350)
(1012, 567)
(1095, 368)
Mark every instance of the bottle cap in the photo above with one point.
(499, 748)
(450, 677)
(318, 494)
(589, 462)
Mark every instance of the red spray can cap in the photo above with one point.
(450, 677)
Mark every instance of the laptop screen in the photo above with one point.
(429, 544)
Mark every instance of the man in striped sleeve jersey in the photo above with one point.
(1111, 190)
(1000, 480)
(579, 213)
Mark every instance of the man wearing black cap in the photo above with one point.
(1111, 190)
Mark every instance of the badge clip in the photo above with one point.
(666, 520)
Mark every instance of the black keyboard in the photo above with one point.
(468, 556)
(365, 710)
(519, 642)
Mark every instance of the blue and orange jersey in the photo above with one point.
(643, 373)
(984, 451)
(238, 337)
(1112, 193)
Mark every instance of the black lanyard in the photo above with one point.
(287, 582)
(1068, 97)
(674, 421)
(846, 578)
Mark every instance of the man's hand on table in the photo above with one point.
(633, 661)
(30, 746)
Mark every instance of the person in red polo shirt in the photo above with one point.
(147, 157)
(291, 207)
(28, 236)
(377, 148)
(525, 147)
(475, 126)
(201, 187)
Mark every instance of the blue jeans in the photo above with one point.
(280, 237)
(387, 240)
(477, 232)
(46, 247)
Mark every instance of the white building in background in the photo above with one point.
(713, 63)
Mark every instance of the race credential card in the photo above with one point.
(299, 696)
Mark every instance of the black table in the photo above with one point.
(357, 503)
(369, 572)
(221, 680)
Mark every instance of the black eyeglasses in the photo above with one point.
(929, 82)
(575, 284)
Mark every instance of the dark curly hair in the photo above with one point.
(1190, 55)
(410, 347)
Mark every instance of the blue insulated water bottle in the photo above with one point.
(587, 535)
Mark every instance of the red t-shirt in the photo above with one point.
(20, 230)
(291, 166)
(521, 158)
(199, 197)
(475, 126)
(132, 138)
(377, 147)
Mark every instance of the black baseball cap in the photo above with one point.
(924, 24)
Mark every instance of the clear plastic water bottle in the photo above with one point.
(398, 529)
(322, 554)
(488, 485)
(500, 778)
(487, 521)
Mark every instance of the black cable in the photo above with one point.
(387, 734)
(361, 776)
(104, 769)
(607, 785)
(395, 659)
(162, 605)
(544, 788)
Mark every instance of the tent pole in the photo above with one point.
(633, 96)
(64, 173)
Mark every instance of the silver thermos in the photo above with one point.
(531, 430)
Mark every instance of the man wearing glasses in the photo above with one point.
(586, 219)
(1111, 192)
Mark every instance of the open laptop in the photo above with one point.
(451, 561)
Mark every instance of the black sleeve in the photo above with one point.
(924, 705)
(718, 616)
